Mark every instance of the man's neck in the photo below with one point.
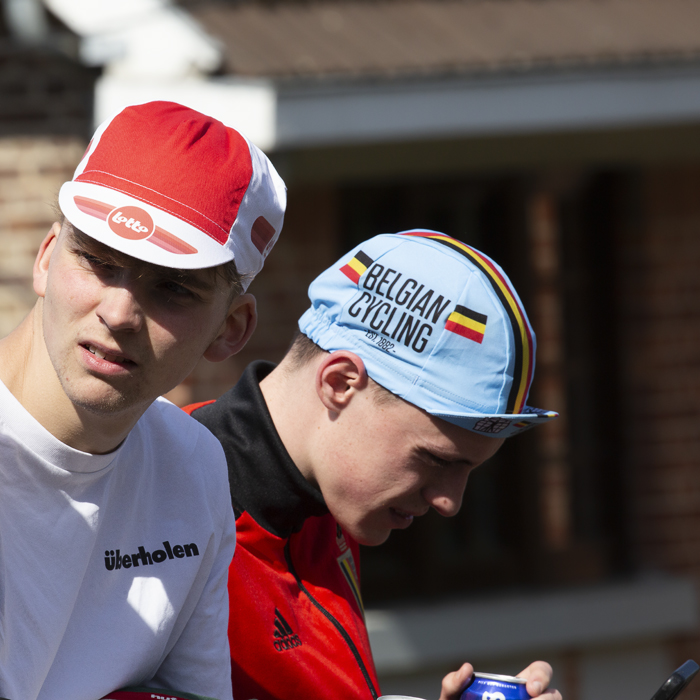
(27, 372)
(285, 392)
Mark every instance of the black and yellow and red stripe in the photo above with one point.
(524, 355)
(357, 266)
(467, 323)
(347, 566)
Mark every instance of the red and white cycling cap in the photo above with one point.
(171, 186)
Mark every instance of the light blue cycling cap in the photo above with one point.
(436, 323)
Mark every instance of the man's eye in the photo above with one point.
(177, 289)
(434, 460)
(95, 262)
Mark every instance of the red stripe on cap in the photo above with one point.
(524, 389)
(465, 332)
(521, 327)
(261, 233)
(93, 207)
(160, 237)
(353, 274)
(171, 243)
(138, 152)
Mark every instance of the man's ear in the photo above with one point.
(43, 257)
(339, 376)
(241, 320)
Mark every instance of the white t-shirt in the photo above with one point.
(113, 568)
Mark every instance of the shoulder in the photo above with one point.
(192, 407)
(241, 398)
(164, 420)
(186, 452)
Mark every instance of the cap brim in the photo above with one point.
(169, 241)
(499, 425)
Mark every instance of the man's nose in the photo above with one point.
(120, 309)
(445, 492)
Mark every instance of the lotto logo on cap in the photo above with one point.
(126, 224)
(174, 187)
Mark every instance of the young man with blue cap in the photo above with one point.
(413, 364)
(116, 528)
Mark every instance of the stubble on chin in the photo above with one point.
(97, 396)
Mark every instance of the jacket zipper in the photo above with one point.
(333, 621)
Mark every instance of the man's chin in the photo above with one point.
(372, 539)
(106, 404)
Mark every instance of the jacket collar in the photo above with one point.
(264, 480)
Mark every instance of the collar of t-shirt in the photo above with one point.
(18, 423)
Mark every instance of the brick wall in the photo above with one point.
(45, 122)
(43, 90)
(32, 169)
(660, 359)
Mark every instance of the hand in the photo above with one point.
(454, 683)
(538, 675)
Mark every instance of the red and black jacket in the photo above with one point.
(296, 624)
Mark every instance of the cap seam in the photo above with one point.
(172, 199)
(440, 342)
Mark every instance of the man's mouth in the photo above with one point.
(408, 517)
(118, 359)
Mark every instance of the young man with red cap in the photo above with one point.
(414, 363)
(116, 530)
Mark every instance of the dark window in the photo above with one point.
(547, 509)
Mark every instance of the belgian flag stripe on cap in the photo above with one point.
(357, 266)
(522, 371)
(467, 323)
